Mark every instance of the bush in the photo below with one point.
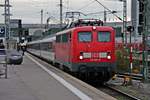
(122, 60)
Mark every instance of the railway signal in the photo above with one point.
(130, 28)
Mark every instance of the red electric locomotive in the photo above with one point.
(88, 51)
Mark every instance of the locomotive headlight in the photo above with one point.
(108, 57)
(94, 27)
(80, 57)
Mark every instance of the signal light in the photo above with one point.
(130, 28)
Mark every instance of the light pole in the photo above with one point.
(7, 28)
(41, 18)
(125, 20)
(47, 23)
(61, 19)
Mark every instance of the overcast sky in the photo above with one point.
(29, 10)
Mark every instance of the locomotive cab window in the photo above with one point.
(85, 36)
(104, 37)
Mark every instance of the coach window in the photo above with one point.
(37, 46)
(104, 36)
(45, 46)
(85, 36)
(65, 38)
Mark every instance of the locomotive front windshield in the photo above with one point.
(85, 36)
(104, 36)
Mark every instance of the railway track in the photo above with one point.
(117, 93)
(133, 76)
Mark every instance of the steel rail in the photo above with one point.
(126, 95)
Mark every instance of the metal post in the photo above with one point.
(7, 29)
(105, 16)
(61, 14)
(131, 51)
(135, 17)
(7, 22)
(47, 23)
(125, 21)
(41, 18)
(145, 34)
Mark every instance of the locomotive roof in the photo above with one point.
(82, 27)
(86, 22)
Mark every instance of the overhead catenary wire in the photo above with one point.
(81, 8)
(68, 9)
(100, 12)
(108, 9)
(85, 6)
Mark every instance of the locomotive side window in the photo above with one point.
(58, 38)
(65, 38)
(85, 36)
(104, 36)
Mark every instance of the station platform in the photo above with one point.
(32, 81)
